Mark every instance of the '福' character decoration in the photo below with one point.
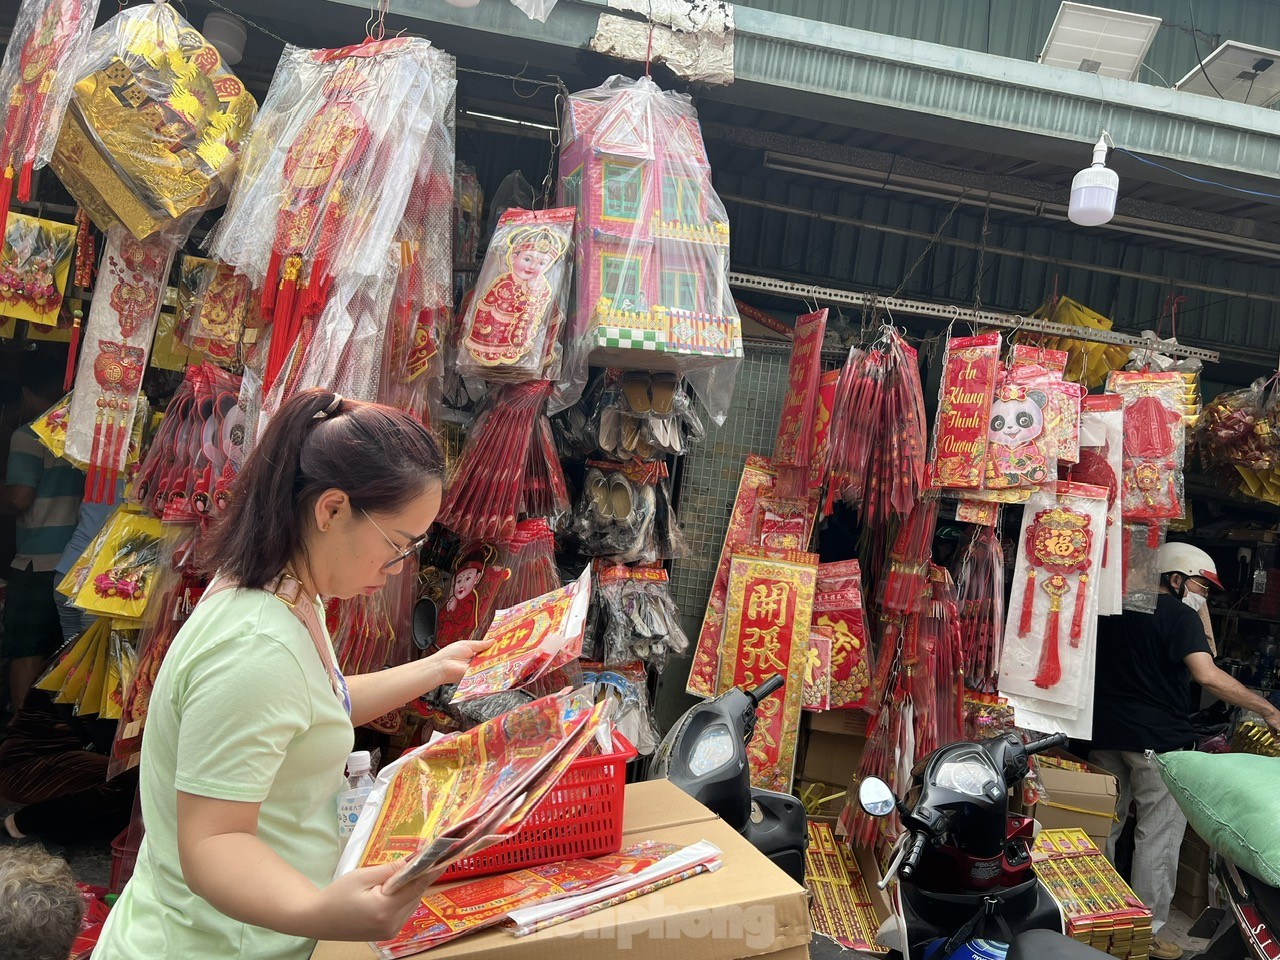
(41, 58)
(1055, 580)
(153, 129)
(117, 341)
(334, 163)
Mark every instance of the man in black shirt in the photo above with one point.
(1146, 662)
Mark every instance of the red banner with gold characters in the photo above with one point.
(964, 410)
(793, 448)
(837, 607)
(766, 633)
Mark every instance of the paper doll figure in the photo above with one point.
(469, 607)
(1015, 454)
(513, 313)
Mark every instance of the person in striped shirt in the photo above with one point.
(44, 494)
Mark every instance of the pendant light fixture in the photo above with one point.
(1094, 189)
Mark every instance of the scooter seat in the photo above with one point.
(1048, 945)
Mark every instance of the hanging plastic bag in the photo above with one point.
(42, 61)
(335, 159)
(510, 331)
(535, 9)
(119, 582)
(154, 126)
(651, 289)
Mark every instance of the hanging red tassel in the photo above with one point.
(6, 195)
(1077, 616)
(73, 348)
(1153, 536)
(271, 285)
(108, 447)
(1050, 668)
(24, 182)
(285, 326)
(1028, 601)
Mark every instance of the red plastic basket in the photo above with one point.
(124, 857)
(580, 817)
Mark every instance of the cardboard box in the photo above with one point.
(1085, 800)
(831, 757)
(851, 723)
(1194, 855)
(1191, 895)
(747, 908)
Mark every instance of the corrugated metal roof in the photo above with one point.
(1018, 28)
(805, 248)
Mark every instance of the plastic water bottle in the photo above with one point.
(351, 800)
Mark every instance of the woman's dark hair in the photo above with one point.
(382, 458)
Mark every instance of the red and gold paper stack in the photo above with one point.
(964, 410)
(1101, 909)
(766, 633)
(840, 905)
(838, 607)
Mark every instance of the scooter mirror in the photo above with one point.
(875, 797)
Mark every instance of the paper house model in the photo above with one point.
(653, 238)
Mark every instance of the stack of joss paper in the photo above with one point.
(93, 671)
(528, 641)
(453, 798)
(527, 901)
(1101, 910)
(840, 904)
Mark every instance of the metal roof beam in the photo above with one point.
(858, 166)
(930, 91)
(733, 199)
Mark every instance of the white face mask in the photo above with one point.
(1201, 606)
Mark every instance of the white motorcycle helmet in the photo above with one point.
(1189, 561)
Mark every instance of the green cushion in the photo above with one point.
(1233, 801)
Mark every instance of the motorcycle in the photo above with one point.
(964, 863)
(705, 755)
(1245, 919)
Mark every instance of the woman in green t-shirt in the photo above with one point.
(250, 722)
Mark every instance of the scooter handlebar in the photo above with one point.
(766, 689)
(909, 863)
(1046, 743)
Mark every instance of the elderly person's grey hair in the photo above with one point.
(40, 905)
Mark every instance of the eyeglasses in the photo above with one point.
(402, 553)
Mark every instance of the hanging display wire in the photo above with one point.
(949, 313)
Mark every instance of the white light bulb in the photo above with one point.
(1094, 190)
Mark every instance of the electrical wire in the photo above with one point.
(1200, 180)
(241, 16)
(1195, 42)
